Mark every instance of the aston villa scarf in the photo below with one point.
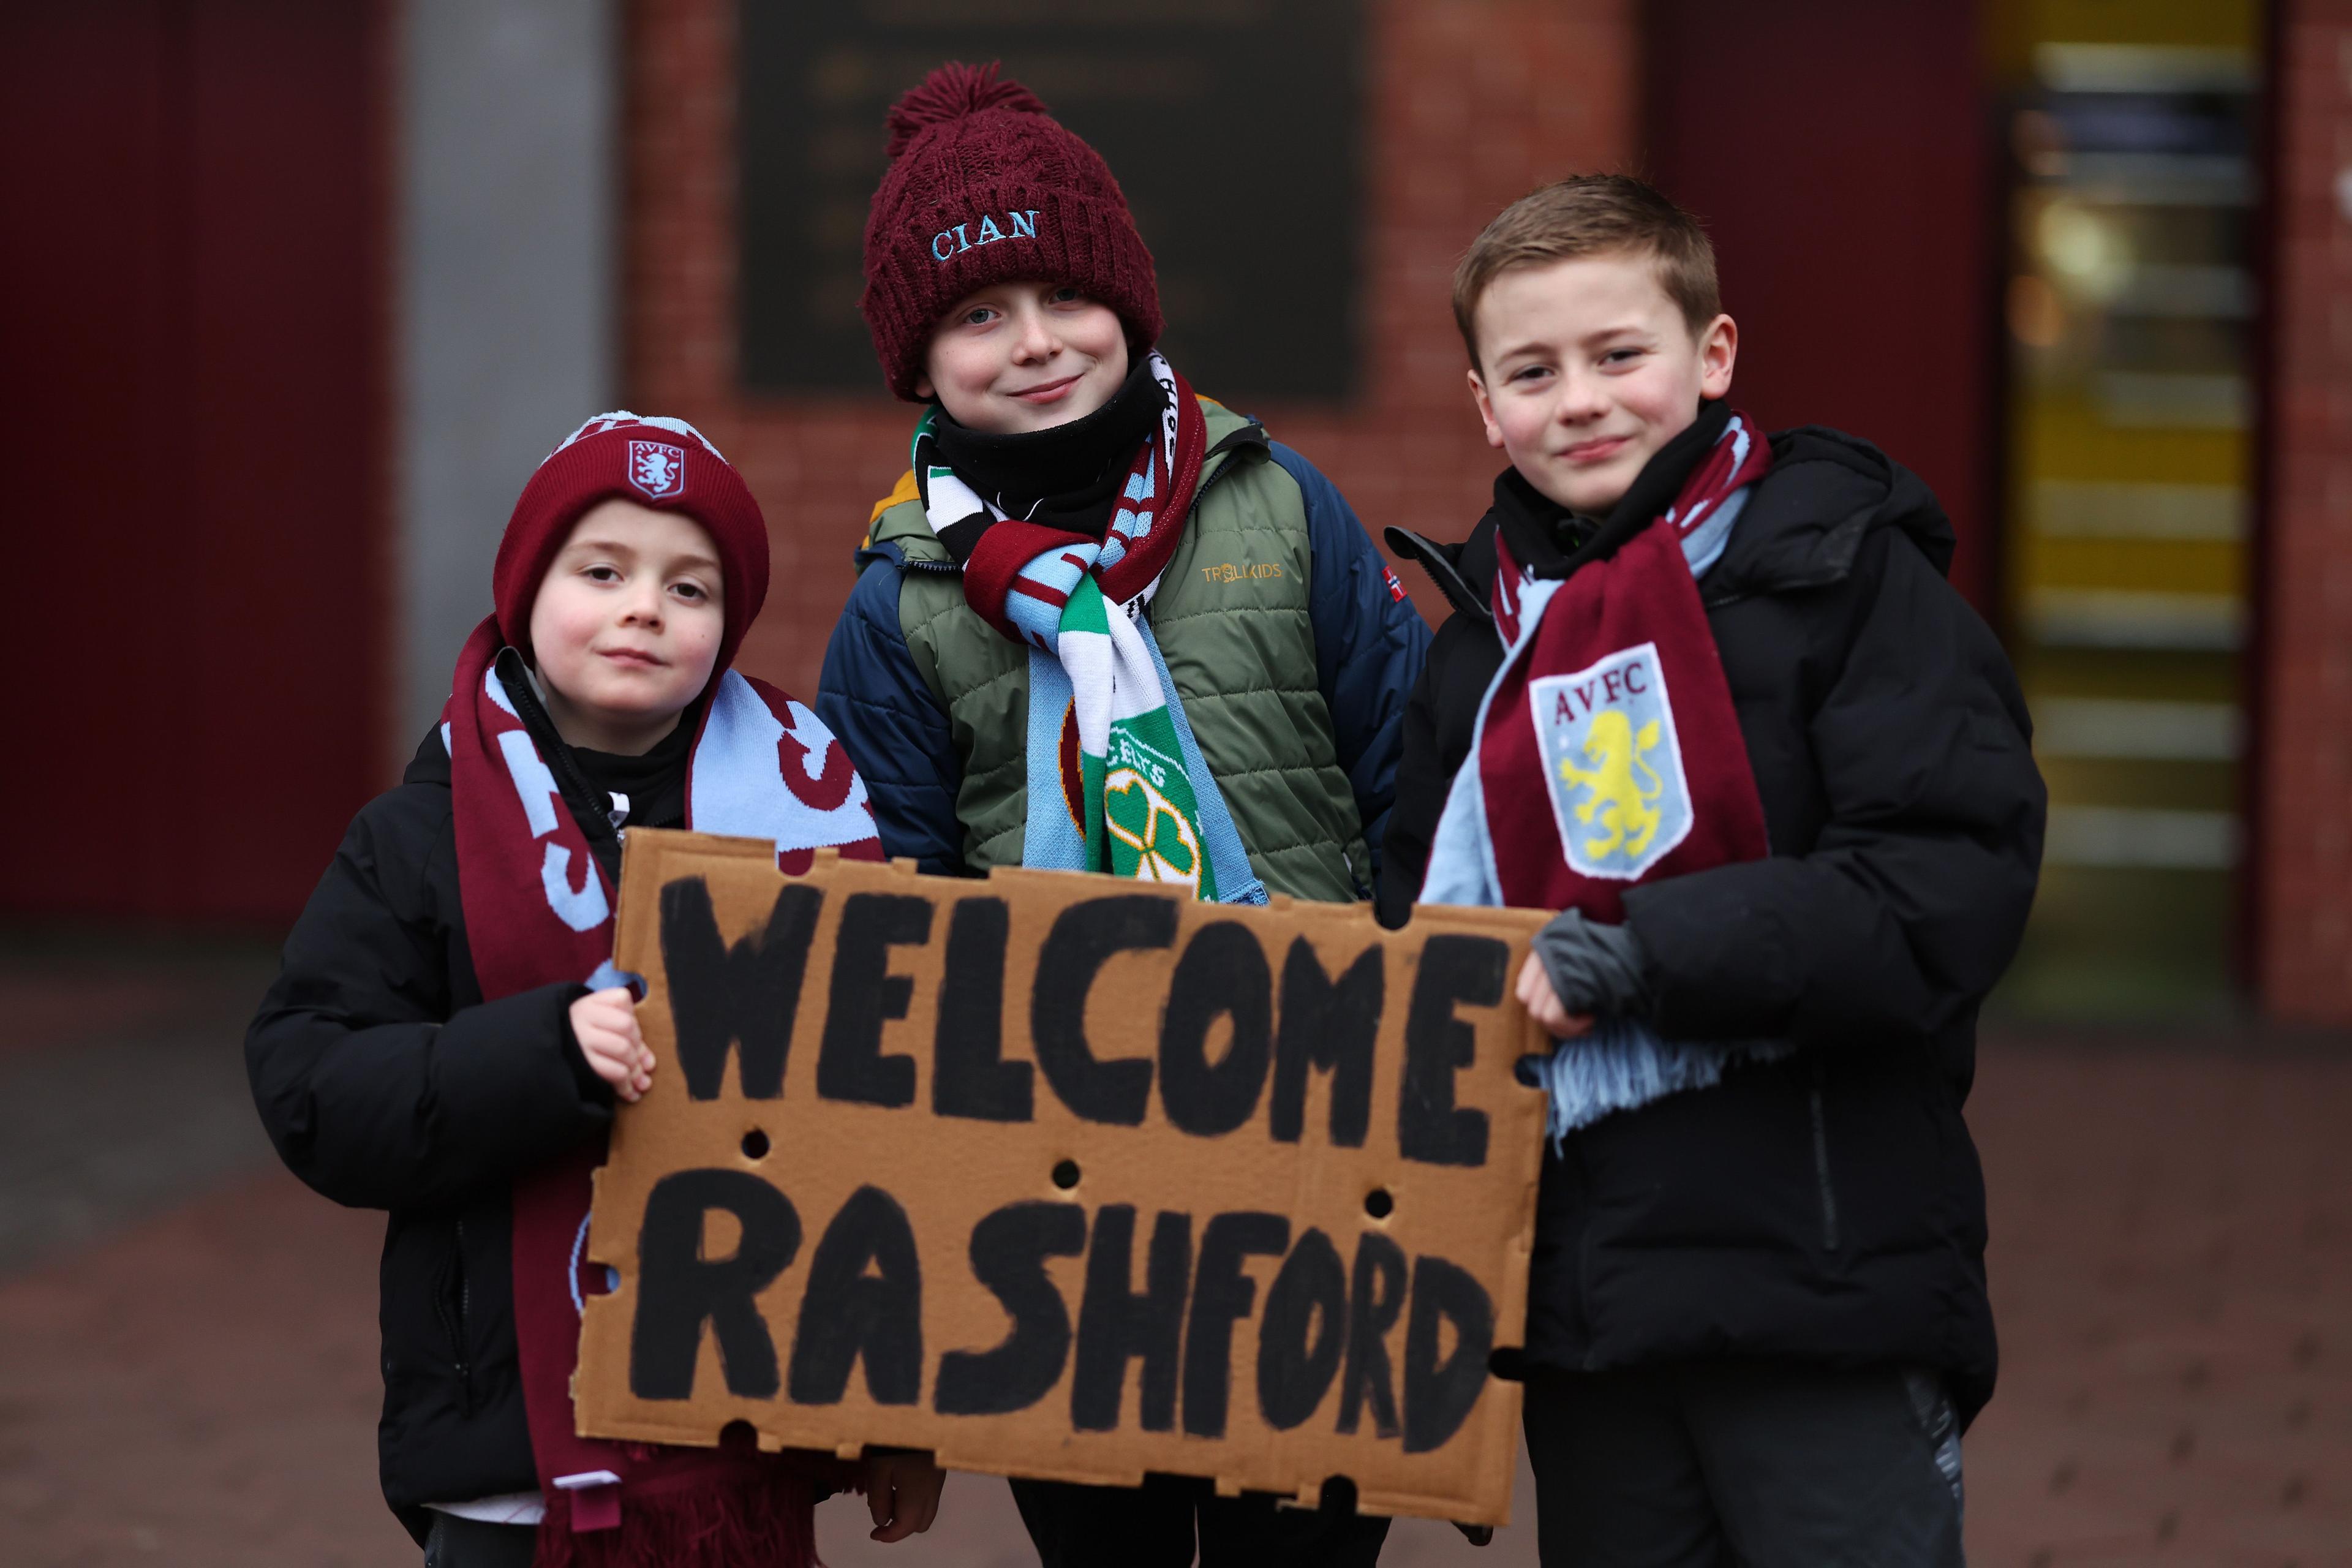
(539, 910)
(1116, 780)
(1612, 753)
(1607, 751)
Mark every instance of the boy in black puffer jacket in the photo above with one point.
(1710, 697)
(436, 1045)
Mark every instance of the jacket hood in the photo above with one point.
(1805, 523)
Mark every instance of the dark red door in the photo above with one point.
(191, 396)
(1836, 150)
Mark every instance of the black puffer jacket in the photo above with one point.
(387, 1082)
(1827, 1207)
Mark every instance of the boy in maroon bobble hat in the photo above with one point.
(1102, 624)
(448, 1037)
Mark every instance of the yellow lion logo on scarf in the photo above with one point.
(1620, 808)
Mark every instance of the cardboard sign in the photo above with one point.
(1067, 1177)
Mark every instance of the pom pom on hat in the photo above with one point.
(955, 91)
(984, 187)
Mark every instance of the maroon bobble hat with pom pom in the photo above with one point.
(666, 464)
(986, 187)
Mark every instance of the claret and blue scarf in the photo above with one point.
(539, 912)
(1607, 752)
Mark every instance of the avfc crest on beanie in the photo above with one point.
(657, 469)
(985, 187)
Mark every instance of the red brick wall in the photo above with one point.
(2302, 818)
(1472, 103)
(1882, 108)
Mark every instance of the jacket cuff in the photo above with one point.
(1595, 969)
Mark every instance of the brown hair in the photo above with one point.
(1587, 214)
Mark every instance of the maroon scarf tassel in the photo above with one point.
(756, 1522)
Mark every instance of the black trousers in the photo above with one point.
(469, 1543)
(1154, 1526)
(1753, 1464)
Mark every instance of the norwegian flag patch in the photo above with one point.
(1396, 587)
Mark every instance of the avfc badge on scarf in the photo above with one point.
(1613, 763)
(1636, 784)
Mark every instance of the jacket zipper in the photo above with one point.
(465, 1310)
(573, 782)
(1821, 1166)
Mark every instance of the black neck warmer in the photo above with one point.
(655, 783)
(1551, 540)
(1068, 476)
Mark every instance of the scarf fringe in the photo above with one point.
(1621, 1066)
(760, 1522)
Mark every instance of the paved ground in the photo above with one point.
(186, 1335)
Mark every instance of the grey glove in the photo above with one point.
(1597, 969)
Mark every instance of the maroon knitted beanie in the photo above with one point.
(986, 187)
(666, 464)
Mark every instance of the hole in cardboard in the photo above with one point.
(755, 1144)
(1524, 1069)
(1508, 1362)
(1378, 1204)
(740, 1435)
(1066, 1175)
(1339, 1496)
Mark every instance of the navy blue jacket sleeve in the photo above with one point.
(872, 697)
(1370, 645)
